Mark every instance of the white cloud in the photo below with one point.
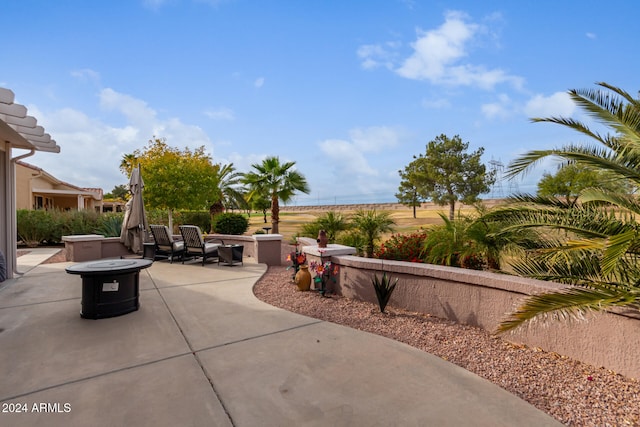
(374, 139)
(436, 104)
(502, 108)
(350, 162)
(220, 114)
(378, 55)
(439, 56)
(592, 36)
(86, 74)
(259, 82)
(436, 50)
(91, 150)
(135, 110)
(557, 104)
(345, 154)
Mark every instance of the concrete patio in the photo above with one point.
(203, 351)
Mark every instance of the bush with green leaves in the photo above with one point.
(81, 222)
(110, 224)
(310, 229)
(34, 226)
(355, 239)
(48, 226)
(403, 247)
(332, 222)
(200, 218)
(230, 223)
(161, 216)
(450, 244)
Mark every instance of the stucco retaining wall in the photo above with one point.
(609, 339)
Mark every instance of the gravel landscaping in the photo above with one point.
(573, 392)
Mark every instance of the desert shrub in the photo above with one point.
(451, 244)
(110, 224)
(81, 222)
(310, 229)
(355, 239)
(230, 223)
(158, 216)
(403, 247)
(200, 218)
(34, 226)
(332, 222)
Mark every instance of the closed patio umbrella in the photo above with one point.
(134, 225)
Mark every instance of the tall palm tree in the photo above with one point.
(278, 181)
(127, 163)
(229, 194)
(371, 225)
(595, 243)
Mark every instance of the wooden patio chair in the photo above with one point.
(194, 244)
(165, 245)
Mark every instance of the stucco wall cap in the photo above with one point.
(82, 238)
(332, 249)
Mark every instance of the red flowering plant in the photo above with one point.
(324, 271)
(403, 247)
(297, 258)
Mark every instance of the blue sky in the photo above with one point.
(349, 90)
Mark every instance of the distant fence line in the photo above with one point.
(381, 206)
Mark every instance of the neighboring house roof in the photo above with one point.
(61, 187)
(14, 120)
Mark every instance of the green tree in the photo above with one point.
(128, 162)
(261, 203)
(119, 192)
(409, 190)
(277, 180)
(594, 243)
(372, 224)
(571, 179)
(446, 173)
(229, 194)
(176, 179)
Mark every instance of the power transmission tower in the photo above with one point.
(497, 169)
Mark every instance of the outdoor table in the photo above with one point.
(109, 287)
(230, 254)
(266, 229)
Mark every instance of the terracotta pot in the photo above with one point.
(303, 278)
(322, 239)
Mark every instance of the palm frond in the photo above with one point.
(570, 302)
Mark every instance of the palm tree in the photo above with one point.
(372, 224)
(594, 243)
(127, 163)
(229, 194)
(333, 223)
(278, 181)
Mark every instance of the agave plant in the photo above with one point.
(384, 287)
(594, 243)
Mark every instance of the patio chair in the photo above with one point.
(195, 245)
(165, 245)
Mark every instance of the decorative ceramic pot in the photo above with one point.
(322, 239)
(303, 278)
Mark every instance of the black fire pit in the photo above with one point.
(109, 287)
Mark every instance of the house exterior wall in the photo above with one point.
(24, 196)
(36, 189)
